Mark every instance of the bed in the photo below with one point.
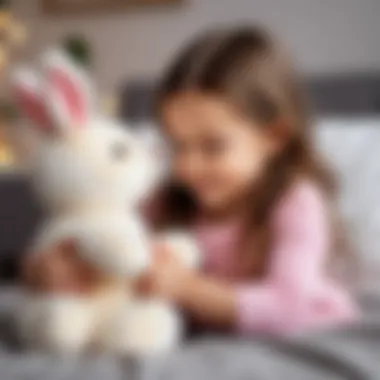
(347, 131)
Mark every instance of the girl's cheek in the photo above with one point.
(249, 171)
(214, 182)
(228, 178)
(242, 165)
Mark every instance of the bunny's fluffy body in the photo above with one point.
(91, 173)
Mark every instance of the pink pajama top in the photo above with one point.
(296, 294)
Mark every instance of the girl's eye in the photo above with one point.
(119, 151)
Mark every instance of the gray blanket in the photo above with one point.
(352, 352)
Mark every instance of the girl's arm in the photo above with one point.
(279, 302)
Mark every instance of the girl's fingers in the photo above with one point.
(163, 254)
(67, 249)
(61, 269)
(37, 262)
(51, 270)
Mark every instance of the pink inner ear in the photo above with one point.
(33, 107)
(71, 95)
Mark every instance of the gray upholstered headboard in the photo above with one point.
(349, 95)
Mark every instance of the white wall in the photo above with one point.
(325, 35)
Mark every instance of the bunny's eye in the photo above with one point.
(119, 151)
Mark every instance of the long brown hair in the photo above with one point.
(248, 68)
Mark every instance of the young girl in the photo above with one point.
(246, 181)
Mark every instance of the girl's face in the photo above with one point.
(217, 153)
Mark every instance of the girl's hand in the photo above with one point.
(206, 299)
(60, 270)
(167, 278)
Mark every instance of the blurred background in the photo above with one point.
(127, 43)
(326, 36)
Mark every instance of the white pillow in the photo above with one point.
(352, 146)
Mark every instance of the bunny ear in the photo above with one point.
(27, 94)
(69, 91)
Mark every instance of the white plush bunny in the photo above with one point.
(91, 173)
